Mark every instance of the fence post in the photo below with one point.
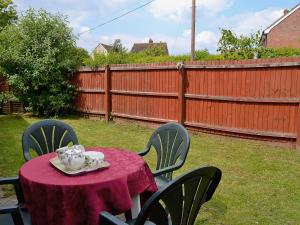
(181, 92)
(298, 129)
(107, 86)
(10, 107)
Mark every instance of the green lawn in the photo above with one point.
(260, 183)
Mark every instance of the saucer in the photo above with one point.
(85, 169)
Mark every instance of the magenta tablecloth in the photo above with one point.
(53, 198)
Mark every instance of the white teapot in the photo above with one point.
(71, 157)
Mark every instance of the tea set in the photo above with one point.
(75, 157)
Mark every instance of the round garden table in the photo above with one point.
(53, 198)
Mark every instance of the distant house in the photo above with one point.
(140, 47)
(285, 32)
(101, 49)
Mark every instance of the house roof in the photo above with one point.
(268, 29)
(107, 47)
(139, 47)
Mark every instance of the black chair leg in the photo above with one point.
(128, 215)
(17, 218)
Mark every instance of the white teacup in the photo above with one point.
(93, 159)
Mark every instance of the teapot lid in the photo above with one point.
(73, 151)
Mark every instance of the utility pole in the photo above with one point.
(193, 30)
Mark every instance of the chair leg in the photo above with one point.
(128, 215)
(17, 218)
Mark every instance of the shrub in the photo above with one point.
(8, 13)
(7, 96)
(232, 46)
(37, 56)
(278, 52)
(155, 50)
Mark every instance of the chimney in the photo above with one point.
(150, 41)
(286, 11)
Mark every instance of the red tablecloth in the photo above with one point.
(54, 198)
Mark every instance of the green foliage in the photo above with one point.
(81, 54)
(248, 47)
(116, 58)
(238, 47)
(117, 47)
(126, 58)
(278, 52)
(230, 46)
(37, 56)
(7, 96)
(155, 50)
(205, 55)
(8, 13)
(201, 54)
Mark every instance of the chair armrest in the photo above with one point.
(15, 214)
(165, 170)
(144, 152)
(9, 209)
(15, 182)
(106, 218)
(9, 180)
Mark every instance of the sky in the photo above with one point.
(162, 20)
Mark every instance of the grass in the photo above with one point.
(260, 183)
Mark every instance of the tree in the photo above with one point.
(37, 56)
(8, 13)
(82, 55)
(238, 47)
(201, 54)
(117, 47)
(155, 50)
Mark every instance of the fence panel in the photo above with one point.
(145, 94)
(90, 91)
(250, 98)
(261, 101)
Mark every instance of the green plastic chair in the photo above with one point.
(177, 203)
(171, 143)
(14, 214)
(46, 136)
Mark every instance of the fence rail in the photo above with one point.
(246, 98)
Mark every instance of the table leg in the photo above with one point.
(136, 206)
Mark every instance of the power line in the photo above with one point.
(116, 18)
(116, 12)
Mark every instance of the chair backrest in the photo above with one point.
(46, 136)
(171, 142)
(179, 202)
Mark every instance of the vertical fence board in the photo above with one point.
(246, 97)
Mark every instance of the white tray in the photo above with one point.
(58, 165)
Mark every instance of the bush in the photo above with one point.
(8, 13)
(155, 50)
(278, 52)
(7, 96)
(37, 56)
(125, 58)
(232, 46)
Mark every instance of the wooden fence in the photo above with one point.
(10, 106)
(246, 98)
